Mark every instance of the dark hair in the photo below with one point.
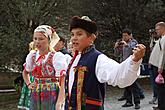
(62, 39)
(126, 30)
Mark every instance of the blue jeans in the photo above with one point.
(153, 74)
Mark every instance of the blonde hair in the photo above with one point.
(32, 46)
(162, 24)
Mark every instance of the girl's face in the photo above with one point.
(80, 39)
(41, 42)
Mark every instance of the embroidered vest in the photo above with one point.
(90, 94)
(43, 70)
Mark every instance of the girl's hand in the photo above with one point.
(58, 106)
(31, 86)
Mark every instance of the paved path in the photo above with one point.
(113, 93)
(111, 100)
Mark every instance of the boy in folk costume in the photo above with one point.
(90, 69)
(47, 67)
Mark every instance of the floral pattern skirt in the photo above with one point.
(44, 96)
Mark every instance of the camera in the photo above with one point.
(152, 31)
(120, 43)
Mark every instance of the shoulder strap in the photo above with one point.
(160, 43)
(50, 57)
(34, 57)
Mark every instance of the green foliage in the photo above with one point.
(20, 17)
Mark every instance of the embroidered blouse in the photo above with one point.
(59, 62)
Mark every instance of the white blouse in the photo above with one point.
(59, 61)
(108, 70)
(68, 58)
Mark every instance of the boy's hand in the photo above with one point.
(138, 52)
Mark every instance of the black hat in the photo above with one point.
(84, 23)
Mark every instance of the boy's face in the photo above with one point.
(80, 39)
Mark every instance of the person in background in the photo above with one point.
(153, 39)
(90, 69)
(128, 43)
(24, 101)
(60, 46)
(118, 50)
(71, 50)
(157, 59)
(48, 68)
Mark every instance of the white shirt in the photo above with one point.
(157, 56)
(108, 70)
(59, 61)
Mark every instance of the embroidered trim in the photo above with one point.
(62, 72)
(88, 49)
(80, 70)
(68, 72)
(94, 102)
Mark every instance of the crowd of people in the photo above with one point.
(58, 79)
(156, 66)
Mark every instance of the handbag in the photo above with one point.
(159, 79)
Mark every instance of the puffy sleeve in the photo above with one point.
(68, 58)
(115, 74)
(59, 63)
(29, 64)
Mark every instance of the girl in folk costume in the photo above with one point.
(90, 69)
(48, 68)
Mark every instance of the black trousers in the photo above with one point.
(161, 92)
(133, 93)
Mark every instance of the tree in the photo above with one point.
(20, 17)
